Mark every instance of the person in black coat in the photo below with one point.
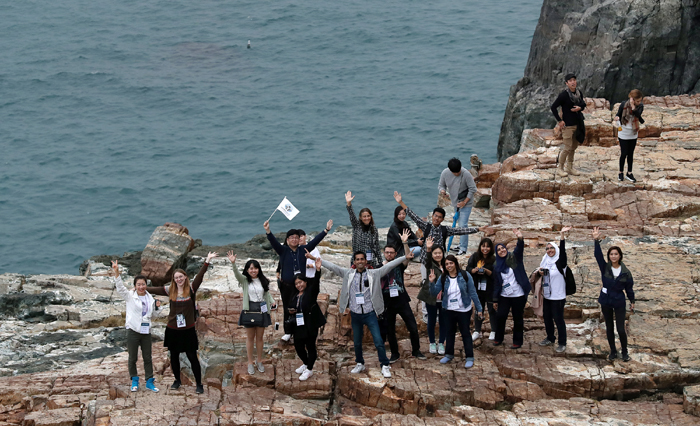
(307, 318)
(480, 266)
(393, 237)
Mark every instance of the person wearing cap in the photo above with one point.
(572, 103)
(292, 262)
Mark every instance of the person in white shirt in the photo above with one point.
(627, 121)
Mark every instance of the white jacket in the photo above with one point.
(134, 307)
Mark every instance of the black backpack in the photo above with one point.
(569, 280)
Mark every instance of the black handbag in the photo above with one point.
(251, 318)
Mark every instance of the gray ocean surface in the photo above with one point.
(119, 116)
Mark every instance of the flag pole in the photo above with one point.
(273, 213)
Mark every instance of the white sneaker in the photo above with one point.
(476, 335)
(261, 368)
(492, 335)
(433, 348)
(441, 349)
(386, 371)
(286, 337)
(306, 374)
(359, 368)
(300, 369)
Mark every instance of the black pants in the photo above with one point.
(517, 305)
(134, 341)
(306, 348)
(493, 317)
(627, 152)
(287, 293)
(458, 321)
(610, 322)
(194, 362)
(404, 310)
(553, 313)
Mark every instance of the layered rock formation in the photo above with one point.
(613, 47)
(166, 251)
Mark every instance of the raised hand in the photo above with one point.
(517, 233)
(349, 197)
(432, 277)
(429, 243)
(266, 225)
(565, 229)
(409, 254)
(308, 255)
(210, 256)
(329, 225)
(231, 256)
(596, 233)
(404, 236)
(319, 262)
(115, 268)
(397, 197)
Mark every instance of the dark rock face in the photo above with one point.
(612, 47)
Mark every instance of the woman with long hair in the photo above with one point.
(365, 237)
(433, 304)
(627, 121)
(256, 298)
(398, 226)
(308, 318)
(480, 266)
(180, 334)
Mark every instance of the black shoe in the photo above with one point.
(620, 177)
(200, 389)
(514, 346)
(175, 385)
(419, 355)
(497, 343)
(612, 356)
(630, 177)
(626, 357)
(394, 358)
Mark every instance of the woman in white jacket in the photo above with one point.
(139, 310)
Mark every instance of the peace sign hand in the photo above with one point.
(115, 268)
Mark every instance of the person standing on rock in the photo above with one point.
(510, 289)
(457, 288)
(617, 281)
(556, 277)
(398, 226)
(310, 262)
(292, 262)
(572, 103)
(627, 120)
(256, 298)
(140, 306)
(180, 333)
(433, 304)
(458, 182)
(308, 318)
(365, 237)
(397, 302)
(361, 295)
(480, 266)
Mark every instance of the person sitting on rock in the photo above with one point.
(397, 302)
(617, 281)
(572, 103)
(627, 119)
(180, 333)
(553, 270)
(458, 182)
(458, 293)
(140, 306)
(433, 304)
(393, 237)
(365, 237)
(292, 262)
(256, 298)
(480, 266)
(307, 318)
(361, 295)
(510, 289)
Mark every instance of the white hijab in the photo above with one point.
(550, 262)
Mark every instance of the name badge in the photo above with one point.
(300, 319)
(368, 254)
(507, 289)
(263, 307)
(453, 304)
(180, 321)
(145, 328)
(482, 285)
(360, 298)
(605, 290)
(394, 291)
(296, 272)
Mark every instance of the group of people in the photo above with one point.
(572, 127)
(373, 291)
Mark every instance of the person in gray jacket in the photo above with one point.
(361, 294)
(458, 182)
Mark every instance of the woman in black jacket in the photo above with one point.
(480, 266)
(307, 319)
(393, 237)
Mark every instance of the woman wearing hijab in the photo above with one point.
(393, 237)
(510, 289)
(616, 280)
(365, 237)
(553, 270)
(627, 121)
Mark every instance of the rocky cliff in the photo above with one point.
(612, 46)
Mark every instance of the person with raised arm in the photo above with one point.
(458, 295)
(365, 237)
(256, 298)
(480, 266)
(140, 306)
(458, 183)
(292, 262)
(180, 334)
(307, 317)
(617, 281)
(554, 271)
(433, 304)
(361, 296)
(510, 289)
(311, 257)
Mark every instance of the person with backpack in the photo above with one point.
(617, 281)
(458, 293)
(480, 266)
(180, 334)
(557, 283)
(571, 123)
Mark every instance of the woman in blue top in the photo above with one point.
(616, 280)
(458, 293)
(510, 289)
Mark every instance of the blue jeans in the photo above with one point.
(462, 222)
(371, 321)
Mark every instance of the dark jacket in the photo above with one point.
(614, 297)
(471, 264)
(393, 238)
(564, 270)
(518, 270)
(307, 303)
(291, 260)
(424, 293)
(564, 101)
(395, 277)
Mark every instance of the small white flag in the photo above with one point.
(288, 209)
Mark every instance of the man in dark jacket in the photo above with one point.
(572, 103)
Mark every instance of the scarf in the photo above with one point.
(575, 97)
(550, 262)
(627, 114)
(503, 263)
